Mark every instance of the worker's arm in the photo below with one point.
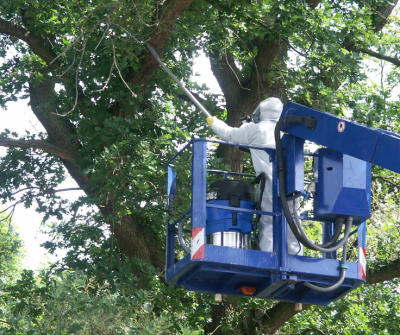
(242, 135)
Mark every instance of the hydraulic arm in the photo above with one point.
(374, 146)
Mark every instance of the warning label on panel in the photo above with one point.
(198, 240)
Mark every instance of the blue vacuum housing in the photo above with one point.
(226, 227)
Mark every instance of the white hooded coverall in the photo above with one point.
(260, 134)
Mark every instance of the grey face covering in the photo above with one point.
(256, 115)
(269, 109)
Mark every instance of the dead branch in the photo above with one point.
(232, 69)
(119, 72)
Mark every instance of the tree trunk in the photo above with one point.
(133, 242)
(214, 327)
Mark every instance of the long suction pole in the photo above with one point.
(191, 97)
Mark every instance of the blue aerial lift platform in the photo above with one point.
(342, 175)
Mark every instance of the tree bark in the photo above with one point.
(381, 14)
(241, 101)
(148, 65)
(278, 315)
(214, 327)
(133, 242)
(61, 131)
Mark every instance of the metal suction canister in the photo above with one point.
(225, 227)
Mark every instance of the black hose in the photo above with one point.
(281, 174)
(341, 278)
(335, 236)
(261, 179)
(310, 244)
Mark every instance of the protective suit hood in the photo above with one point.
(269, 109)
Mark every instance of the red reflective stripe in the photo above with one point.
(198, 241)
(199, 254)
(363, 275)
(195, 231)
(363, 263)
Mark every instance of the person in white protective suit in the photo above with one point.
(260, 134)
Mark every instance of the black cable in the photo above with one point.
(282, 175)
(335, 236)
(261, 179)
(343, 266)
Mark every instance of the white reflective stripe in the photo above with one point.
(198, 240)
(363, 262)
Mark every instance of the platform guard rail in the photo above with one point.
(274, 275)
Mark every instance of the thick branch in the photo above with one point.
(133, 243)
(313, 3)
(62, 132)
(269, 49)
(148, 65)
(223, 68)
(38, 45)
(394, 61)
(36, 144)
(278, 315)
(379, 18)
(387, 272)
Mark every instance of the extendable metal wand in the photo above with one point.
(191, 97)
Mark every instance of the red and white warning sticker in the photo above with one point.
(198, 240)
(341, 126)
(362, 256)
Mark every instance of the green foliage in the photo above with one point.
(10, 252)
(125, 134)
(370, 309)
(73, 303)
